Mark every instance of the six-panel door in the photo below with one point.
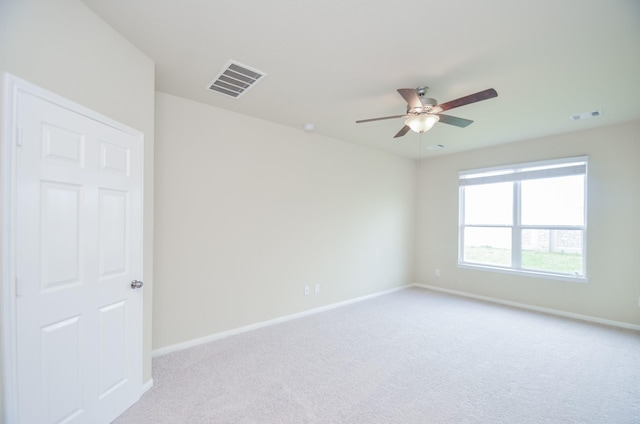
(78, 241)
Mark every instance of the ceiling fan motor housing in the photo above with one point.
(427, 105)
(426, 101)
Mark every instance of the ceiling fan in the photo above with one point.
(423, 112)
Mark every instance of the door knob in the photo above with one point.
(135, 284)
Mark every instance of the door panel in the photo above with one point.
(114, 232)
(61, 374)
(78, 247)
(114, 159)
(60, 228)
(62, 144)
(113, 349)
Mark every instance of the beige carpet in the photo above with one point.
(413, 356)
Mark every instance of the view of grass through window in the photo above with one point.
(565, 263)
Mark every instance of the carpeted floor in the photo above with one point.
(413, 356)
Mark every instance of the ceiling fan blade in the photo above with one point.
(380, 119)
(454, 120)
(402, 132)
(471, 98)
(410, 95)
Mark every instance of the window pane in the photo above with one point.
(553, 201)
(552, 250)
(488, 246)
(489, 204)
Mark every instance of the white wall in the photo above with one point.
(248, 212)
(64, 47)
(613, 232)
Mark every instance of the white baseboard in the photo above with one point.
(233, 332)
(146, 386)
(620, 324)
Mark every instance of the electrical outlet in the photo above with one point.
(306, 290)
(437, 272)
(317, 288)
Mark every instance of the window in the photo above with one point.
(527, 218)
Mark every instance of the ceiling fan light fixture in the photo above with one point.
(422, 123)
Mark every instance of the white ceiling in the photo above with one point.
(332, 62)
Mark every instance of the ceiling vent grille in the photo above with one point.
(235, 79)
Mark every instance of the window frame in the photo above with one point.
(509, 173)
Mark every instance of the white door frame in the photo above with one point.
(10, 139)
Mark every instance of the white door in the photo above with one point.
(78, 248)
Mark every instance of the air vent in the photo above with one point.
(235, 79)
(586, 115)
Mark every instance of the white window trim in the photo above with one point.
(467, 178)
(525, 272)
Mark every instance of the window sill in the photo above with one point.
(535, 274)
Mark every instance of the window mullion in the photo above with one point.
(516, 232)
(461, 224)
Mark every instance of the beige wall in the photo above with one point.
(64, 47)
(613, 223)
(248, 212)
